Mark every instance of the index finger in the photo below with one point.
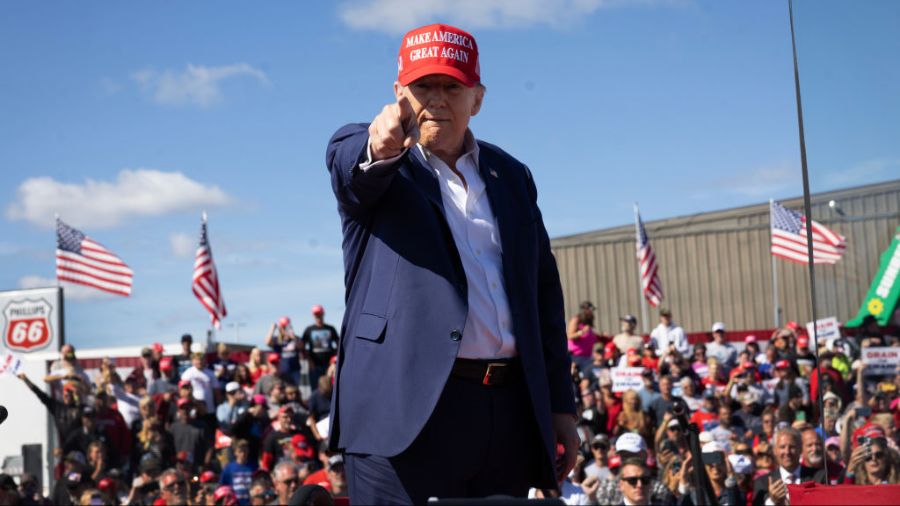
(406, 109)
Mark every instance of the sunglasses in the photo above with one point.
(600, 447)
(635, 481)
(875, 455)
(171, 487)
(292, 481)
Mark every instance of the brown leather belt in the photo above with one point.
(488, 372)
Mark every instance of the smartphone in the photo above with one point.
(670, 445)
(862, 440)
(713, 458)
(864, 411)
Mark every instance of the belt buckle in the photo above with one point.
(489, 373)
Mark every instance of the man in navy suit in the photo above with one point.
(453, 378)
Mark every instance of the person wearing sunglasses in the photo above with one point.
(634, 482)
(873, 463)
(172, 488)
(286, 481)
(721, 477)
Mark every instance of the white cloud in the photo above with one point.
(765, 181)
(183, 245)
(864, 172)
(398, 16)
(139, 192)
(195, 85)
(71, 291)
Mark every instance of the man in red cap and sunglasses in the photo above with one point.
(453, 377)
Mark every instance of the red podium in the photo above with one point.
(827, 495)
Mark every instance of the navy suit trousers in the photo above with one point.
(479, 441)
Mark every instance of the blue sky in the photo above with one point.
(129, 118)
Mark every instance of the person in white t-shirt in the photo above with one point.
(668, 336)
(204, 384)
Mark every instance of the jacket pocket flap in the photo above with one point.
(370, 327)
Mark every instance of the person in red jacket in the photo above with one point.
(837, 384)
(117, 432)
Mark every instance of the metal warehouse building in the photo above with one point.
(716, 266)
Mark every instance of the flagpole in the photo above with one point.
(56, 215)
(640, 283)
(807, 208)
(776, 318)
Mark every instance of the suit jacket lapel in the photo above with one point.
(423, 175)
(498, 195)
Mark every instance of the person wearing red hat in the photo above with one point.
(66, 413)
(320, 340)
(445, 336)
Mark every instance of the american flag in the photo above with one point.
(789, 238)
(81, 260)
(650, 283)
(206, 280)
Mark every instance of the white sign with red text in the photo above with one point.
(626, 378)
(827, 329)
(880, 360)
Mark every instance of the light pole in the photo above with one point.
(237, 332)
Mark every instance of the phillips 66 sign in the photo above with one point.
(31, 319)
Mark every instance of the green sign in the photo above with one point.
(885, 290)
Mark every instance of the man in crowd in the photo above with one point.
(599, 467)
(668, 336)
(223, 366)
(632, 446)
(279, 439)
(184, 361)
(634, 482)
(426, 210)
(173, 489)
(770, 489)
(66, 413)
(321, 342)
(67, 368)
(720, 349)
(627, 339)
(286, 345)
(204, 384)
(665, 401)
(286, 481)
(235, 403)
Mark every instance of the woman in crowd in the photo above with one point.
(698, 362)
(581, 336)
(873, 463)
(243, 378)
(723, 483)
(257, 366)
(633, 418)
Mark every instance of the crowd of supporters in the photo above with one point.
(754, 404)
(182, 429)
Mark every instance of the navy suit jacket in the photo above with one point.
(406, 295)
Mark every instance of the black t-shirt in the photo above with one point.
(322, 342)
(319, 405)
(275, 443)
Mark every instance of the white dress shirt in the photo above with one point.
(488, 330)
(789, 478)
(664, 336)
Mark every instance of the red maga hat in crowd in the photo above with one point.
(301, 447)
(273, 358)
(438, 49)
(803, 341)
(165, 364)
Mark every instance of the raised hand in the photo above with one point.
(393, 130)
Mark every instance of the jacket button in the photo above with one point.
(456, 335)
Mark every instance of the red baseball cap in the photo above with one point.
(165, 364)
(284, 321)
(438, 49)
(318, 309)
(222, 440)
(225, 494)
(285, 409)
(105, 485)
(803, 341)
(750, 339)
(782, 364)
(183, 402)
(184, 383)
(208, 477)
(301, 447)
(273, 358)
(158, 348)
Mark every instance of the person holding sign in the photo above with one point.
(453, 377)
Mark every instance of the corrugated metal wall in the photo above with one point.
(716, 266)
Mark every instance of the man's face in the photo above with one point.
(285, 483)
(336, 475)
(665, 320)
(725, 416)
(768, 423)
(67, 352)
(240, 455)
(719, 336)
(197, 362)
(284, 419)
(812, 448)
(173, 490)
(665, 386)
(626, 326)
(443, 107)
(637, 492)
(186, 347)
(787, 451)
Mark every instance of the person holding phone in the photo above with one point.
(721, 477)
(873, 462)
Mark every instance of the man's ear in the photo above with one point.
(479, 98)
(398, 89)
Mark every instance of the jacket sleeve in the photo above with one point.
(356, 190)
(552, 318)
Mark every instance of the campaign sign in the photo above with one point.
(626, 378)
(9, 363)
(827, 329)
(880, 360)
